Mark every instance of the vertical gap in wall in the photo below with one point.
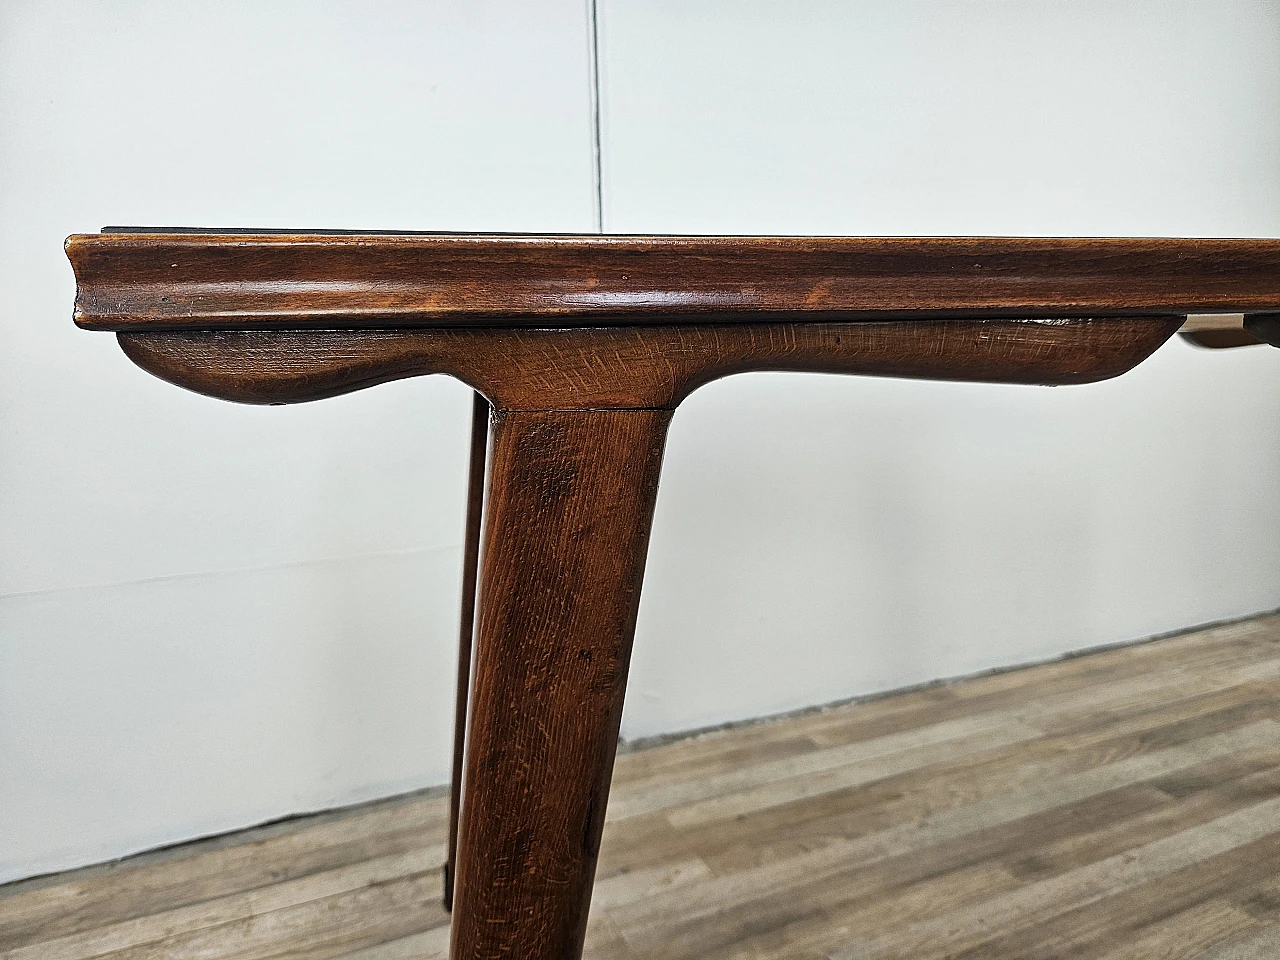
(594, 67)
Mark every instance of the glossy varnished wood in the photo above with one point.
(199, 281)
(567, 515)
(628, 367)
(584, 346)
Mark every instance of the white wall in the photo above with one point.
(819, 537)
(212, 615)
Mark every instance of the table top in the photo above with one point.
(153, 279)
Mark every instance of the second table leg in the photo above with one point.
(470, 565)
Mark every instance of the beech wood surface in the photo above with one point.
(131, 281)
(583, 346)
(638, 367)
(567, 517)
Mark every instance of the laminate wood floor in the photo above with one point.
(1120, 805)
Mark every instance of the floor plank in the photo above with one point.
(1121, 804)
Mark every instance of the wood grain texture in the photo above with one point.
(584, 346)
(470, 572)
(129, 281)
(567, 517)
(630, 367)
(1121, 831)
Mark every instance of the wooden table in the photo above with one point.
(580, 348)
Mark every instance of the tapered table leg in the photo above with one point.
(567, 516)
(470, 563)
